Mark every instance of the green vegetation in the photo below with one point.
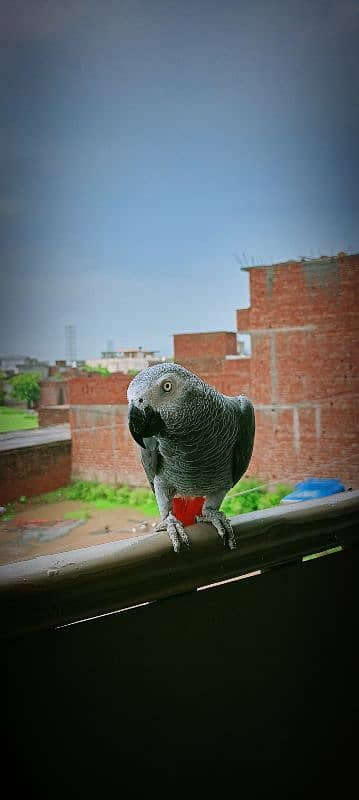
(98, 370)
(256, 496)
(247, 495)
(26, 387)
(53, 497)
(104, 496)
(14, 419)
(9, 513)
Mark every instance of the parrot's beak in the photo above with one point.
(144, 423)
(137, 424)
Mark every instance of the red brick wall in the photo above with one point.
(205, 355)
(103, 389)
(304, 329)
(102, 447)
(229, 377)
(53, 415)
(34, 470)
(298, 293)
(53, 391)
(204, 345)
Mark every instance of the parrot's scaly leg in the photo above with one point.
(218, 519)
(175, 530)
(223, 526)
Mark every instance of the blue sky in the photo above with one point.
(149, 148)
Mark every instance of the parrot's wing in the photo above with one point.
(150, 458)
(244, 444)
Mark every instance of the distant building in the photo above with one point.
(126, 359)
(9, 363)
(15, 364)
(62, 369)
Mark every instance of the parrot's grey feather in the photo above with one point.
(243, 447)
(150, 458)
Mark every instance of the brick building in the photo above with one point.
(54, 395)
(302, 376)
(102, 447)
(304, 328)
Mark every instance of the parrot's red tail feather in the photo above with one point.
(186, 509)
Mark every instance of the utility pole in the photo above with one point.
(70, 344)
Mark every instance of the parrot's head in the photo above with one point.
(158, 398)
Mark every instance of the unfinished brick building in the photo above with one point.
(303, 371)
(302, 376)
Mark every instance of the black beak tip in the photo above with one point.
(134, 424)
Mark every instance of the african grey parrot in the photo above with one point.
(194, 442)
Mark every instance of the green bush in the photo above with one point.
(104, 495)
(250, 494)
(270, 499)
(123, 494)
(96, 370)
(53, 497)
(77, 491)
(139, 497)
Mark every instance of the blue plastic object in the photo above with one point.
(312, 488)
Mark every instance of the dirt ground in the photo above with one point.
(41, 529)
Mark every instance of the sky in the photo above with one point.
(151, 148)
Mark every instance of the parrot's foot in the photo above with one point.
(222, 525)
(175, 530)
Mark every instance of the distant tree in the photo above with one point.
(98, 370)
(26, 386)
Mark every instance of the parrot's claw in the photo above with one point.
(222, 525)
(175, 530)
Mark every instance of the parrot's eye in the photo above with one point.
(167, 386)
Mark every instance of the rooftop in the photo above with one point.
(136, 350)
(304, 260)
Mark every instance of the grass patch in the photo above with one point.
(53, 497)
(247, 495)
(104, 497)
(14, 419)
